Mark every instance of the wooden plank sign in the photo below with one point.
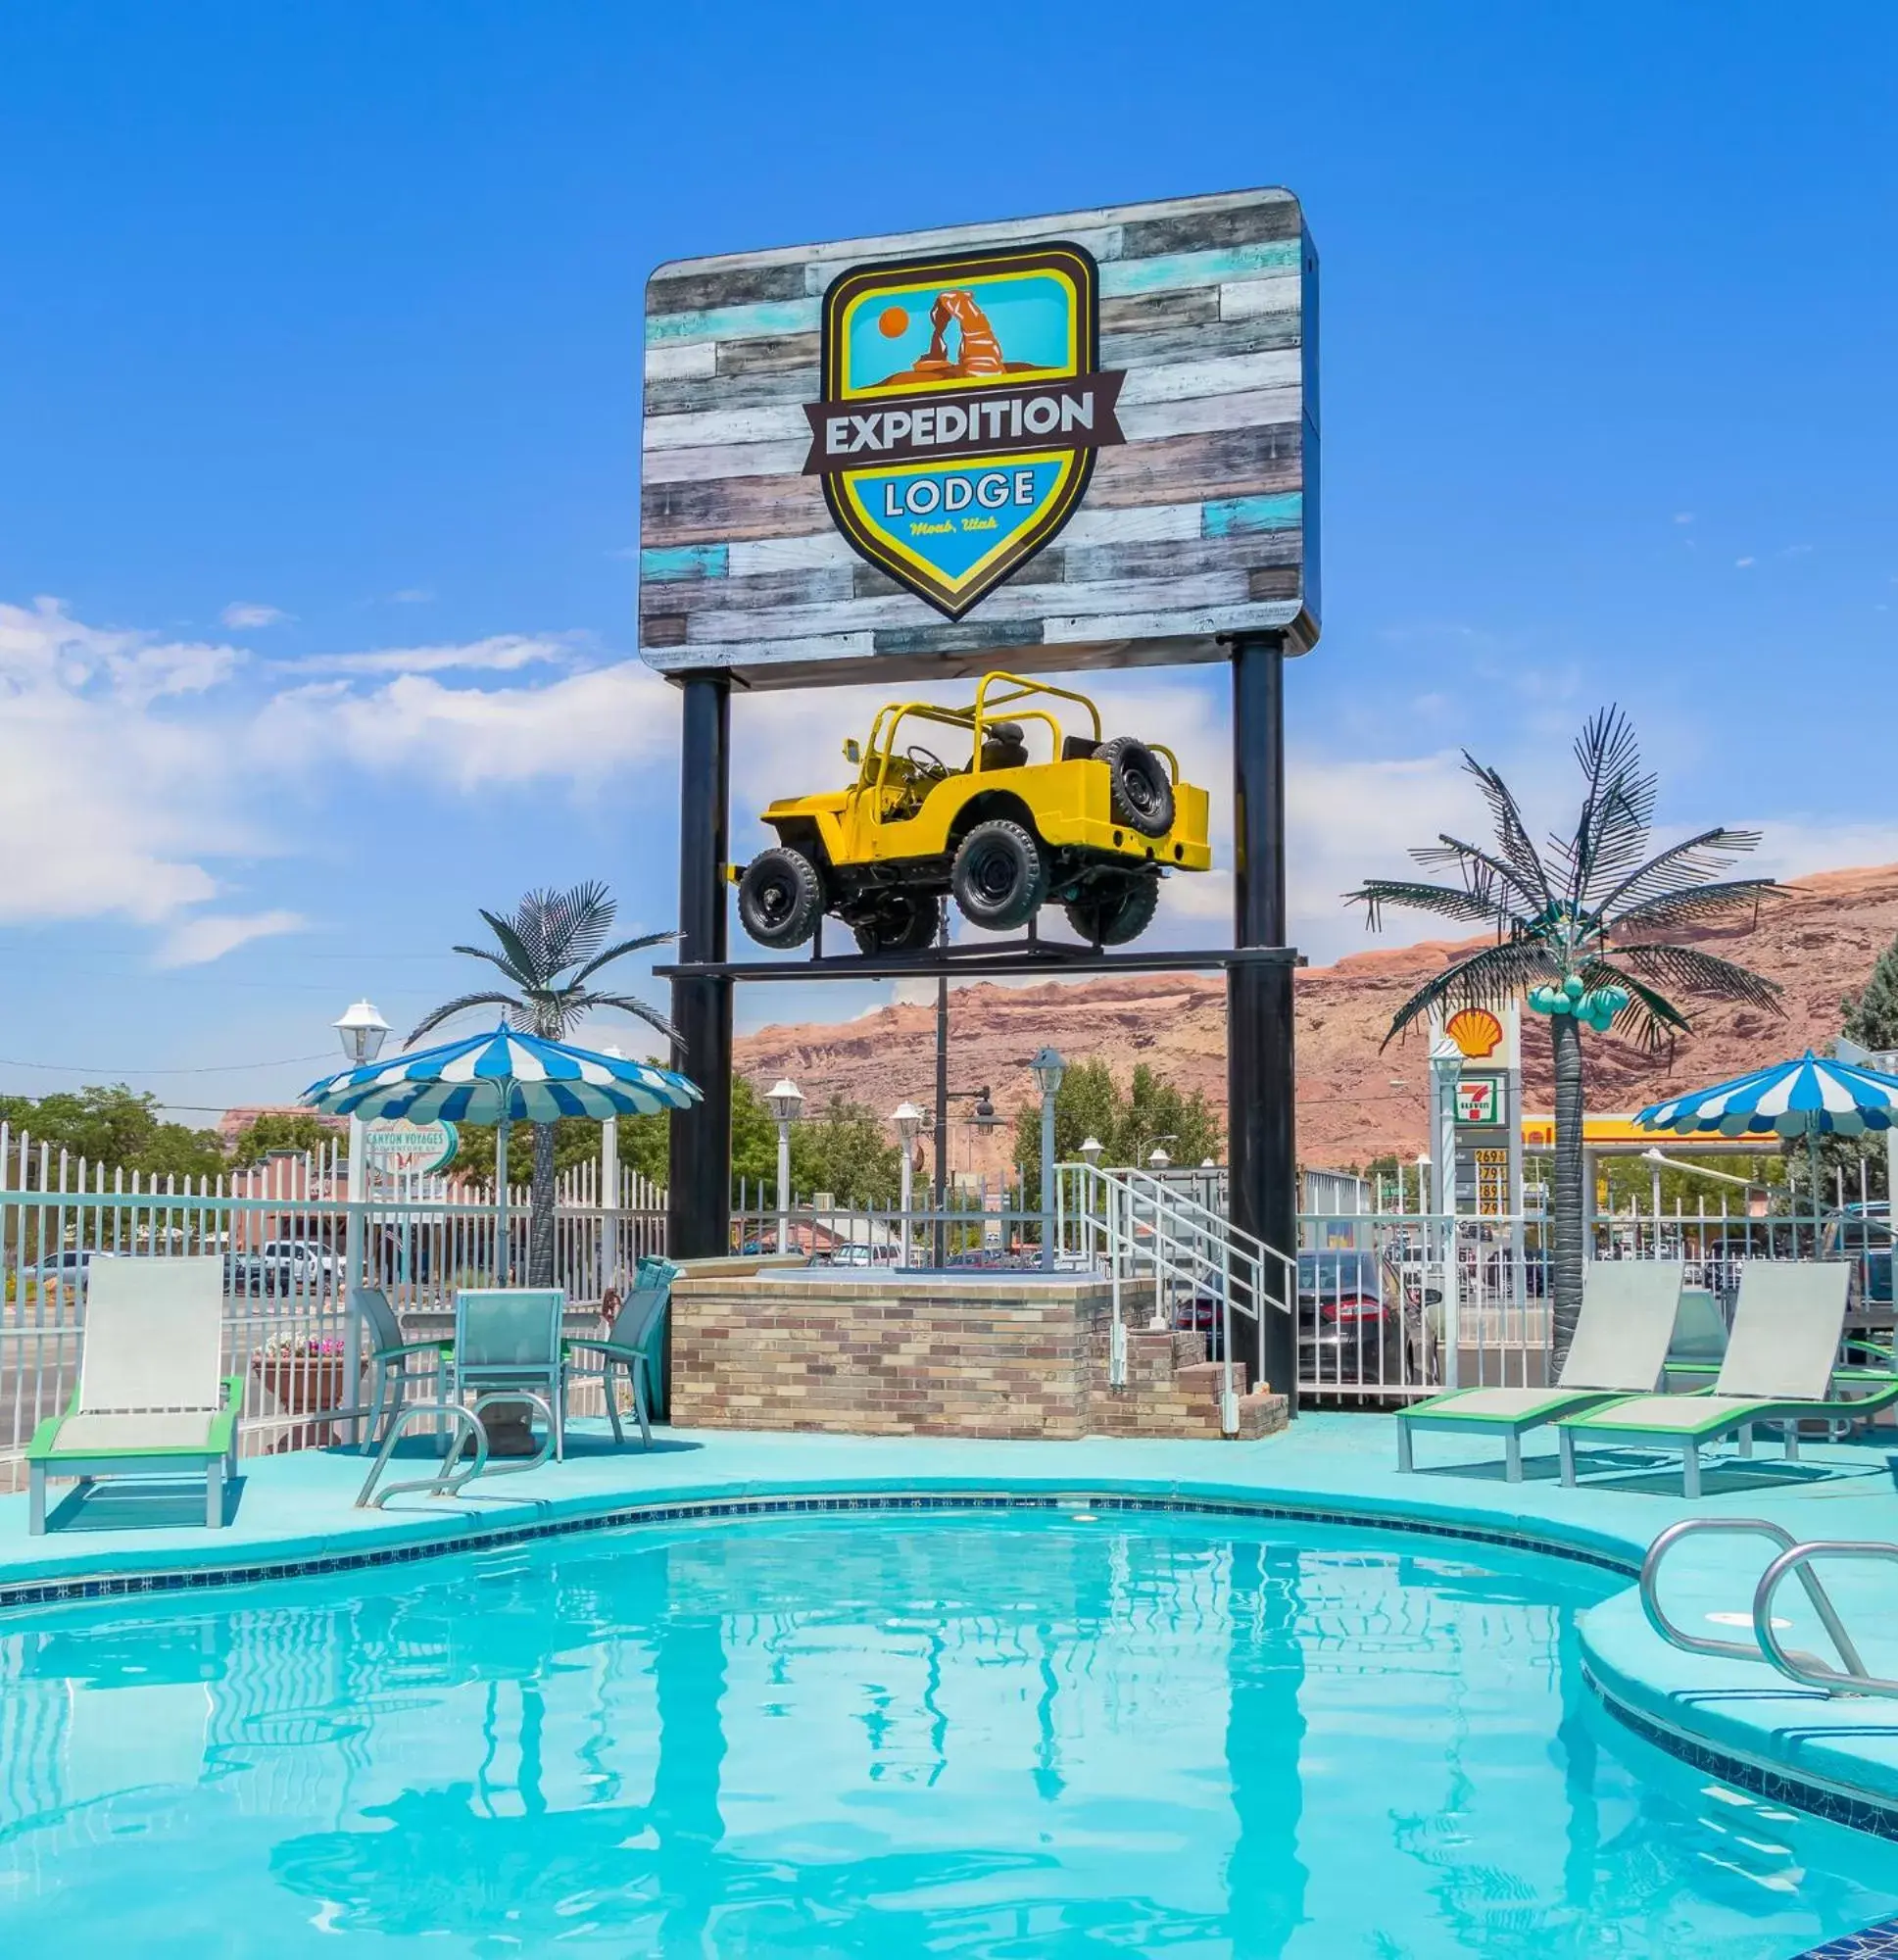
(1081, 441)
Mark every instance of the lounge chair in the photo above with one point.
(634, 1344)
(389, 1360)
(509, 1337)
(1780, 1367)
(151, 1401)
(1621, 1342)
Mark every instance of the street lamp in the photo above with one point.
(1090, 1151)
(362, 1030)
(1158, 1161)
(909, 1123)
(785, 1102)
(1047, 1068)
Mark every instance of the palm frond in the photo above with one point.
(450, 1008)
(1482, 979)
(1693, 972)
(1616, 809)
(499, 960)
(1650, 1018)
(619, 951)
(652, 1016)
(1691, 904)
(1516, 847)
(521, 948)
(1691, 861)
(574, 922)
(1451, 902)
(1482, 871)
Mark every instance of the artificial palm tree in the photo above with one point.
(550, 947)
(1574, 925)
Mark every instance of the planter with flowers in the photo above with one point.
(303, 1373)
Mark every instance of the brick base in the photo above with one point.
(889, 1357)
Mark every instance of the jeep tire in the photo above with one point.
(903, 925)
(1000, 877)
(1115, 910)
(1139, 791)
(780, 898)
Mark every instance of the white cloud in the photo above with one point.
(412, 595)
(581, 729)
(194, 941)
(1683, 516)
(1741, 564)
(243, 613)
(500, 653)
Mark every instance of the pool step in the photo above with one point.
(1173, 1389)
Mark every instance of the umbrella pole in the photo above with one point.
(501, 1202)
(1812, 1162)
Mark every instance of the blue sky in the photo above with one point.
(319, 399)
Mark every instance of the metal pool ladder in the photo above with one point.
(1795, 1560)
(446, 1480)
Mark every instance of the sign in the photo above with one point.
(1084, 440)
(1480, 1102)
(950, 454)
(402, 1148)
(1476, 1031)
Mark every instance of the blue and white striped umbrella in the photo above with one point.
(1791, 1098)
(503, 1077)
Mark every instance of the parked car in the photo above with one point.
(58, 1271)
(1356, 1328)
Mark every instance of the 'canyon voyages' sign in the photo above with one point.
(1084, 440)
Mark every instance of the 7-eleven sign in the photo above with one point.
(1480, 1102)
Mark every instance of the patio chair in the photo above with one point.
(1621, 1342)
(1780, 1367)
(389, 1359)
(509, 1337)
(150, 1401)
(634, 1344)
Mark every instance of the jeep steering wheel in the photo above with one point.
(926, 758)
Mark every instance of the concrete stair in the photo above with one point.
(1173, 1389)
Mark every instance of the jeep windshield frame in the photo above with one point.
(996, 693)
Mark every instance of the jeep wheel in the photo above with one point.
(780, 898)
(1000, 877)
(904, 925)
(1114, 910)
(1141, 794)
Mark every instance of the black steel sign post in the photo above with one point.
(1034, 447)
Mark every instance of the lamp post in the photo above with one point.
(1047, 1068)
(1090, 1151)
(909, 1123)
(362, 1030)
(785, 1101)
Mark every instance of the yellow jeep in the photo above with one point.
(1090, 825)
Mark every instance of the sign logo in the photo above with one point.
(1480, 1102)
(398, 1148)
(1476, 1031)
(961, 411)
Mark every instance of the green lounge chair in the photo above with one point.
(1780, 1367)
(1621, 1342)
(509, 1337)
(634, 1344)
(151, 1401)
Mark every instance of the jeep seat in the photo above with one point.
(1003, 748)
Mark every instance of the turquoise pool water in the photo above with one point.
(966, 1734)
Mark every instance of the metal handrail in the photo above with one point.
(444, 1482)
(1794, 1560)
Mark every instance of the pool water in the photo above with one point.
(948, 1734)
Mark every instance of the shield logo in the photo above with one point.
(962, 408)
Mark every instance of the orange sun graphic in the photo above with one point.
(892, 322)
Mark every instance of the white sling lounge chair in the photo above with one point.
(1780, 1367)
(151, 1401)
(1619, 1345)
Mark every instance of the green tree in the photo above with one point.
(1872, 1014)
(279, 1130)
(1127, 1126)
(549, 948)
(1573, 925)
(645, 1140)
(111, 1126)
(846, 1151)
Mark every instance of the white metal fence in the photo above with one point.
(283, 1229)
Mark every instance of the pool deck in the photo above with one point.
(1835, 1754)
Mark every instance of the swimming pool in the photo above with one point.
(974, 1734)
